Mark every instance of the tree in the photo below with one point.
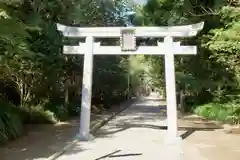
(203, 77)
(31, 60)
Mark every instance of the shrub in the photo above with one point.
(12, 119)
(227, 112)
(11, 125)
(37, 115)
(74, 109)
(60, 111)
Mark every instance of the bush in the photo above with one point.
(228, 112)
(37, 115)
(13, 118)
(74, 109)
(11, 125)
(60, 111)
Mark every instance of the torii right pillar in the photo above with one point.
(172, 132)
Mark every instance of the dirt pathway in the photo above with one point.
(139, 132)
(41, 141)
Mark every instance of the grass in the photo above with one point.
(227, 112)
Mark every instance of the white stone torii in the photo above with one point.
(168, 48)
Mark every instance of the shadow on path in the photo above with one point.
(113, 155)
(146, 114)
(119, 128)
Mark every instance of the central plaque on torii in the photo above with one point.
(128, 40)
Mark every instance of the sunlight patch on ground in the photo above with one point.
(152, 104)
(62, 123)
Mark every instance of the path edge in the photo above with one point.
(94, 128)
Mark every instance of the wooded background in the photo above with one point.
(38, 84)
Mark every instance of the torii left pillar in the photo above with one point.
(84, 131)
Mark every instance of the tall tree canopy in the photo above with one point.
(214, 73)
(45, 84)
(34, 73)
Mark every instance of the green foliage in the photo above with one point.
(36, 115)
(10, 123)
(212, 77)
(213, 111)
(165, 12)
(214, 72)
(224, 43)
(48, 82)
(13, 118)
(73, 109)
(60, 111)
(228, 112)
(31, 56)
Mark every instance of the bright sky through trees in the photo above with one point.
(140, 1)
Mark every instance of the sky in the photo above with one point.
(140, 1)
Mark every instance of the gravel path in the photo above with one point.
(138, 134)
(134, 134)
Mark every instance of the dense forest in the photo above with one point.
(209, 81)
(38, 84)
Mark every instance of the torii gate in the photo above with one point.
(128, 35)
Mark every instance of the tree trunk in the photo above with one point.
(181, 103)
(66, 97)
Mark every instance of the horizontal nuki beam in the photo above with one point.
(174, 31)
(116, 50)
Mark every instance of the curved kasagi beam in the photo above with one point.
(174, 31)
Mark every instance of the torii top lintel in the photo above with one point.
(174, 31)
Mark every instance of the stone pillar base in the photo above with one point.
(89, 137)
